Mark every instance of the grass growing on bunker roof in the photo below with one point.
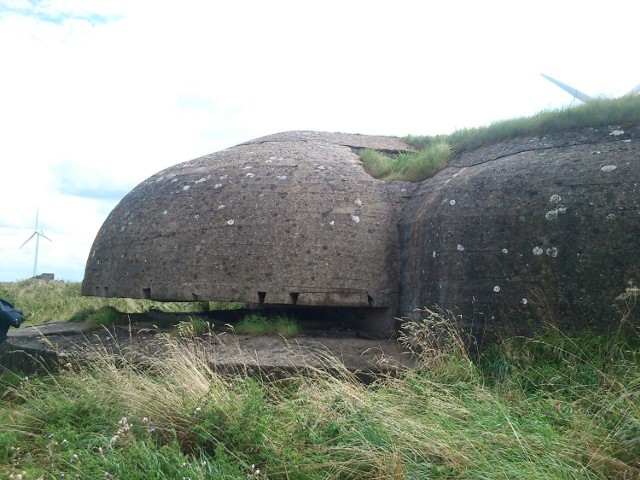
(435, 151)
(552, 406)
(411, 167)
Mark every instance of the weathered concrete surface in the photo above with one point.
(291, 218)
(49, 346)
(543, 228)
(535, 229)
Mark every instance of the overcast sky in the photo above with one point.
(98, 95)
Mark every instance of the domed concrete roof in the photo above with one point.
(291, 218)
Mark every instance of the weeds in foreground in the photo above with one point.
(437, 338)
(547, 407)
(195, 327)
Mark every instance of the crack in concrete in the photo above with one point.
(553, 147)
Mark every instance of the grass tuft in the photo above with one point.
(260, 325)
(195, 327)
(105, 317)
(599, 112)
(438, 342)
(407, 166)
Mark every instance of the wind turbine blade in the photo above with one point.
(583, 97)
(634, 91)
(27, 241)
(44, 236)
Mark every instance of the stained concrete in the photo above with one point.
(535, 229)
(289, 219)
(538, 229)
(47, 347)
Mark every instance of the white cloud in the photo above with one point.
(98, 95)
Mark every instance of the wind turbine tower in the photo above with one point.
(36, 233)
(583, 97)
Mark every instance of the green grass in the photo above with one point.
(104, 316)
(548, 407)
(407, 166)
(260, 325)
(435, 151)
(196, 326)
(49, 301)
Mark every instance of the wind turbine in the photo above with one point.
(583, 97)
(36, 233)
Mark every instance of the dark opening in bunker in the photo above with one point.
(293, 296)
(322, 321)
(261, 297)
(146, 293)
(314, 320)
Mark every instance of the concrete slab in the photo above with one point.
(47, 346)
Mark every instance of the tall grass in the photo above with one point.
(546, 407)
(435, 151)
(599, 112)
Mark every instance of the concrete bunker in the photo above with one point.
(289, 220)
(530, 230)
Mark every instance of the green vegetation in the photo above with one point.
(551, 406)
(412, 167)
(196, 326)
(49, 301)
(226, 305)
(260, 325)
(104, 316)
(435, 151)
(540, 408)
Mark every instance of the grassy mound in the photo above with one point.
(435, 151)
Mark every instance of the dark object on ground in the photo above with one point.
(10, 316)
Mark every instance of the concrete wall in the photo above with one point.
(531, 230)
(537, 229)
